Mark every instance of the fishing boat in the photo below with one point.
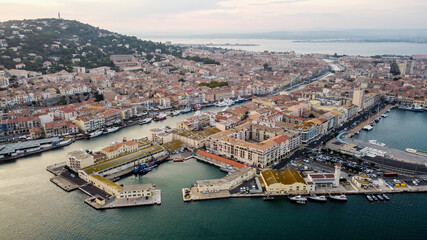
(145, 121)
(160, 117)
(95, 134)
(341, 197)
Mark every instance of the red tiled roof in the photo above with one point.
(221, 159)
(279, 139)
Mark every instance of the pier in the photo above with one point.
(369, 120)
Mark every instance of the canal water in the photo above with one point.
(31, 207)
(400, 130)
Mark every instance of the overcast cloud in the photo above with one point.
(195, 16)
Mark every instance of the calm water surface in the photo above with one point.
(400, 130)
(349, 48)
(31, 207)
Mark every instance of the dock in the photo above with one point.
(64, 183)
(372, 118)
(56, 169)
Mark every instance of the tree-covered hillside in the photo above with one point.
(64, 44)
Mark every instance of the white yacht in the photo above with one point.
(373, 141)
(368, 127)
(95, 134)
(176, 112)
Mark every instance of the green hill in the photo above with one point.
(58, 41)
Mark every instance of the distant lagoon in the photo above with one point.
(305, 47)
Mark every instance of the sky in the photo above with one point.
(225, 16)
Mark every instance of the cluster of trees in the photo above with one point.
(202, 60)
(267, 67)
(77, 40)
(214, 84)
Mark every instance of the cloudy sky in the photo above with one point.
(221, 16)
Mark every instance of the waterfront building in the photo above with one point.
(308, 130)
(368, 100)
(362, 180)
(255, 144)
(228, 182)
(89, 124)
(286, 181)
(136, 191)
(104, 184)
(60, 128)
(352, 149)
(123, 162)
(19, 125)
(79, 159)
(121, 148)
(198, 122)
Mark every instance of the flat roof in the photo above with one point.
(173, 145)
(122, 159)
(13, 147)
(108, 182)
(285, 176)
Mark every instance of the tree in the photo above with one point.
(267, 67)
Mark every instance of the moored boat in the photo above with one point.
(111, 130)
(369, 198)
(145, 121)
(176, 112)
(318, 198)
(340, 197)
(367, 127)
(186, 110)
(95, 134)
(228, 169)
(160, 117)
(298, 198)
(386, 197)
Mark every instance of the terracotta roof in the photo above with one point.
(279, 139)
(116, 146)
(221, 159)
